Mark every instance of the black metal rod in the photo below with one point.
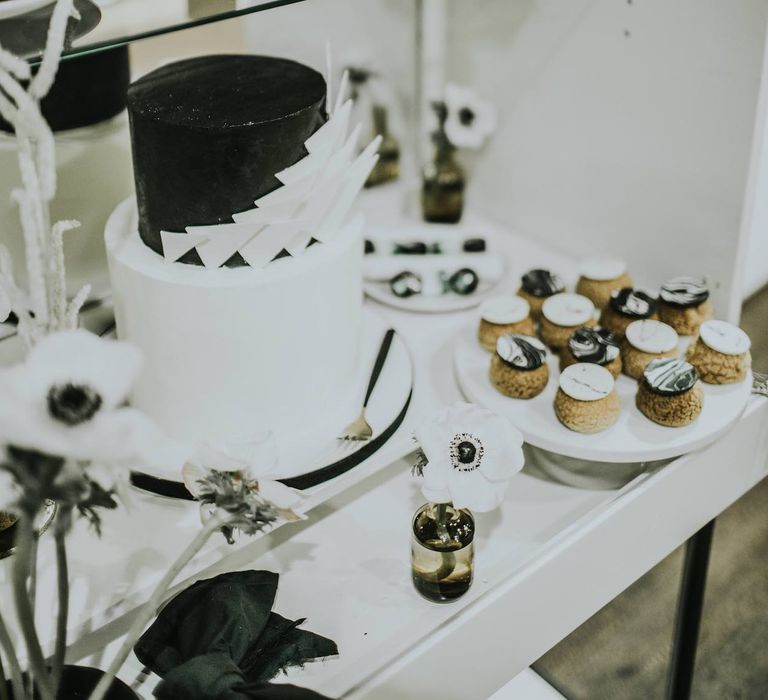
(689, 608)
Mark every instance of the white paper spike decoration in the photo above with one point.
(177, 244)
(315, 198)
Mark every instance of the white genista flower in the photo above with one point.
(471, 120)
(67, 399)
(472, 454)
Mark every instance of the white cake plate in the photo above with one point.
(633, 438)
(451, 236)
(314, 454)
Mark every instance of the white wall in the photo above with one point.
(626, 125)
(627, 128)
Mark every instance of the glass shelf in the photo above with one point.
(106, 24)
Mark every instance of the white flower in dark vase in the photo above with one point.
(471, 120)
(68, 400)
(471, 455)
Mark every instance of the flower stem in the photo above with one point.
(447, 558)
(62, 576)
(32, 595)
(21, 569)
(3, 682)
(149, 609)
(13, 663)
(441, 521)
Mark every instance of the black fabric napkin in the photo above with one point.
(220, 640)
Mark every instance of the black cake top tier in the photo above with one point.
(210, 133)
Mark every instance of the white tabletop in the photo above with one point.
(550, 557)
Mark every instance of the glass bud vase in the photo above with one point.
(442, 193)
(442, 551)
(387, 167)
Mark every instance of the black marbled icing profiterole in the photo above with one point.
(684, 292)
(592, 345)
(669, 376)
(542, 283)
(210, 133)
(406, 284)
(521, 351)
(633, 303)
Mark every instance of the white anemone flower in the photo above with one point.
(251, 461)
(472, 454)
(471, 120)
(67, 399)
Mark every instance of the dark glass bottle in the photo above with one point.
(387, 167)
(443, 182)
(442, 551)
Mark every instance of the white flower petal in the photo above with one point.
(123, 436)
(281, 496)
(436, 495)
(471, 490)
(459, 98)
(437, 474)
(192, 475)
(254, 456)
(110, 367)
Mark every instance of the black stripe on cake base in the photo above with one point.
(176, 489)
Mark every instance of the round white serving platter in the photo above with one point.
(314, 453)
(633, 438)
(451, 235)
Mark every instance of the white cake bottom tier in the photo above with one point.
(235, 351)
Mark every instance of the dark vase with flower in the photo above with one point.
(442, 551)
(443, 182)
(387, 167)
(78, 682)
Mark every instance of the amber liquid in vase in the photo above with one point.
(442, 552)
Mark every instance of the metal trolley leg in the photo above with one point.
(688, 618)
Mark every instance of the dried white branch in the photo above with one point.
(44, 308)
(76, 304)
(54, 45)
(58, 281)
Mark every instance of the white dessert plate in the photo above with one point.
(381, 266)
(314, 454)
(633, 438)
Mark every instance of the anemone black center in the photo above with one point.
(466, 452)
(73, 403)
(466, 116)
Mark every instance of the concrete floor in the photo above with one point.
(622, 652)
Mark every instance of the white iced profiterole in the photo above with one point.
(724, 337)
(568, 309)
(230, 351)
(503, 310)
(603, 269)
(651, 336)
(585, 381)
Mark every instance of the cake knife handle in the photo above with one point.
(379, 364)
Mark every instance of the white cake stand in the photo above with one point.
(632, 439)
(315, 454)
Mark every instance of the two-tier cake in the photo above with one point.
(240, 275)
